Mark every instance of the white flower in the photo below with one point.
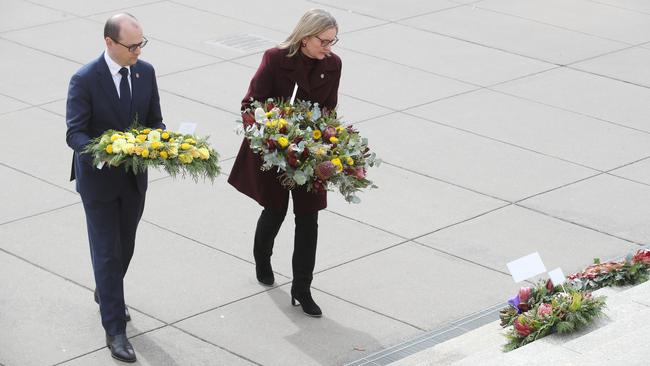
(153, 136)
(260, 115)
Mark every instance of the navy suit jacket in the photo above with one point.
(92, 108)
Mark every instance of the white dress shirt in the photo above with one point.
(114, 68)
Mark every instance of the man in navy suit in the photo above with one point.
(110, 93)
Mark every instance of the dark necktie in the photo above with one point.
(125, 95)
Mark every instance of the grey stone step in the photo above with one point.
(621, 335)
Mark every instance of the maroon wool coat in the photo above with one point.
(275, 78)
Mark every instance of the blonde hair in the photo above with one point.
(313, 22)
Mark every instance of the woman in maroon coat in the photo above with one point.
(305, 58)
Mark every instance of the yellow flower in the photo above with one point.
(340, 129)
(115, 136)
(185, 146)
(163, 154)
(349, 161)
(283, 142)
(317, 134)
(321, 151)
(146, 131)
(268, 124)
(309, 114)
(159, 129)
(173, 150)
(334, 139)
(128, 148)
(204, 153)
(195, 153)
(156, 145)
(172, 140)
(337, 163)
(282, 122)
(145, 153)
(109, 148)
(185, 158)
(190, 141)
(138, 150)
(141, 138)
(287, 110)
(165, 135)
(269, 114)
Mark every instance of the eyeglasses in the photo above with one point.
(327, 42)
(134, 47)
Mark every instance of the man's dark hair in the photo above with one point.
(112, 27)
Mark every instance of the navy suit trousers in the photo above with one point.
(112, 228)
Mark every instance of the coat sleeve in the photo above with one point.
(154, 115)
(78, 114)
(261, 85)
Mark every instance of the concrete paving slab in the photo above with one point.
(605, 203)
(514, 35)
(639, 171)
(390, 10)
(600, 97)
(388, 281)
(487, 340)
(541, 128)
(423, 204)
(51, 319)
(622, 350)
(285, 20)
(580, 15)
(39, 84)
(464, 159)
(280, 334)
(57, 107)
(512, 232)
(206, 30)
(81, 40)
(87, 8)
(157, 283)
(8, 105)
(626, 65)
(455, 58)
(35, 195)
(368, 78)
(24, 123)
(206, 85)
(167, 347)
(640, 294)
(636, 5)
(17, 14)
(232, 231)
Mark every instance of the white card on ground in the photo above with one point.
(526, 267)
(557, 276)
(187, 128)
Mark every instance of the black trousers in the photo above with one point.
(304, 245)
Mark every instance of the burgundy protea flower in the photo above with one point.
(283, 130)
(360, 172)
(521, 327)
(544, 310)
(329, 132)
(292, 159)
(642, 256)
(269, 106)
(305, 154)
(325, 170)
(271, 144)
(549, 285)
(318, 186)
(524, 294)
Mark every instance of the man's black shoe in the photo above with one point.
(121, 348)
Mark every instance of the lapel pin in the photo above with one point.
(137, 75)
(322, 76)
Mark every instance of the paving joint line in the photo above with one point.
(39, 213)
(620, 7)
(39, 50)
(607, 77)
(462, 259)
(568, 110)
(198, 101)
(38, 178)
(512, 144)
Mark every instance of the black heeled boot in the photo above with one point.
(303, 262)
(267, 229)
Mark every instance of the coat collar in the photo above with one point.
(297, 73)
